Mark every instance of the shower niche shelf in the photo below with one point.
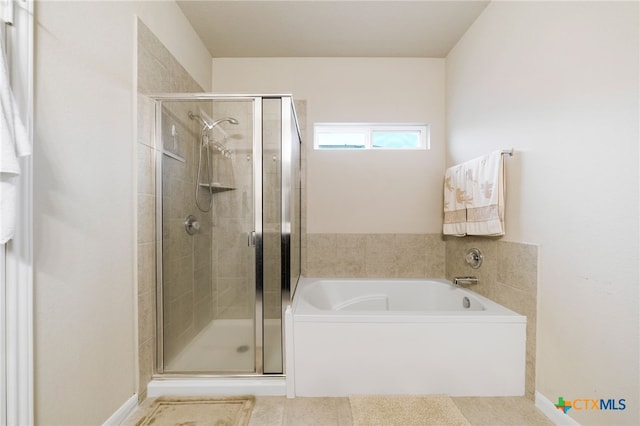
(217, 187)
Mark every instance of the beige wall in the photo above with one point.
(359, 192)
(84, 201)
(558, 82)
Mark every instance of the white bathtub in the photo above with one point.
(402, 336)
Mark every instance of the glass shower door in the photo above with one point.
(272, 235)
(228, 231)
(207, 222)
(281, 221)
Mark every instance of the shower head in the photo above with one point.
(222, 120)
(208, 125)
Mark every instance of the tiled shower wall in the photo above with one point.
(159, 72)
(233, 259)
(207, 275)
(187, 295)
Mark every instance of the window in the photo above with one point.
(370, 136)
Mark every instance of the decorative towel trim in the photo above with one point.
(481, 214)
(455, 216)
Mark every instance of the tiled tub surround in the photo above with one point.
(508, 276)
(375, 255)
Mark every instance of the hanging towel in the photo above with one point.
(455, 201)
(14, 143)
(485, 187)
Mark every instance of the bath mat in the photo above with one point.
(405, 410)
(199, 411)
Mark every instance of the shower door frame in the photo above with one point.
(257, 237)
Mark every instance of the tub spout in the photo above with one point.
(460, 281)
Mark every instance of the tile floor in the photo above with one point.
(280, 411)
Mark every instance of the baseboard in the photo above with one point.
(551, 411)
(123, 412)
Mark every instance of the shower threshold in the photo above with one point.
(258, 385)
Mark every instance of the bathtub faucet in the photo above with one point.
(460, 281)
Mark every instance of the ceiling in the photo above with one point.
(322, 28)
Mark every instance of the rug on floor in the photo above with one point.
(199, 411)
(405, 410)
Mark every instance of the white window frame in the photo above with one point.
(367, 130)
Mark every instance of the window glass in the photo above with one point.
(340, 140)
(371, 136)
(395, 139)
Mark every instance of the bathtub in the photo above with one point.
(401, 336)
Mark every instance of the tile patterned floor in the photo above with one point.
(280, 411)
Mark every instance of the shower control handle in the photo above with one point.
(474, 258)
(191, 224)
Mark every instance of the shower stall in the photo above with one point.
(228, 232)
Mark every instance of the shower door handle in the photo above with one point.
(251, 240)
